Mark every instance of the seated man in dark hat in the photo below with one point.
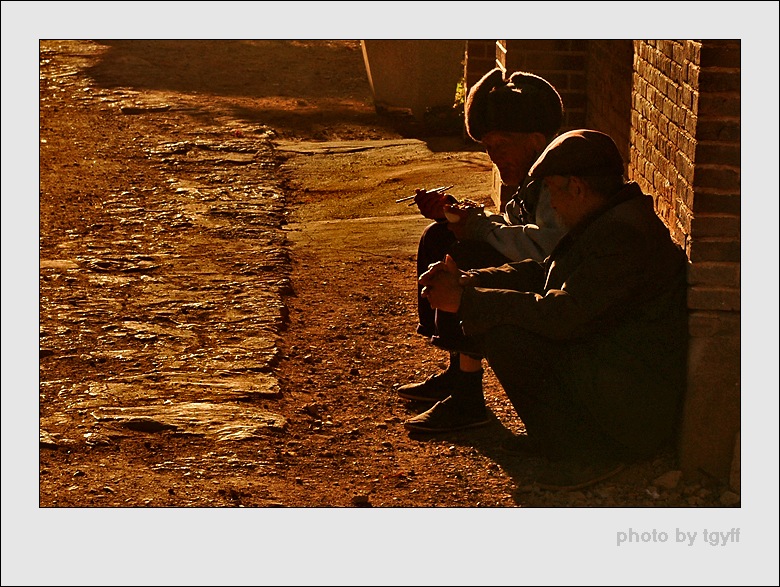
(514, 118)
(590, 346)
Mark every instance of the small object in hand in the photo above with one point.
(451, 217)
(463, 206)
(433, 191)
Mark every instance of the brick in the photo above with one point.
(693, 75)
(683, 222)
(676, 71)
(713, 203)
(721, 178)
(720, 81)
(693, 51)
(719, 130)
(668, 108)
(711, 324)
(664, 65)
(718, 54)
(673, 92)
(724, 226)
(684, 192)
(678, 53)
(719, 153)
(691, 124)
(687, 142)
(684, 167)
(667, 48)
(719, 104)
(713, 298)
(723, 250)
(713, 274)
(683, 188)
(686, 98)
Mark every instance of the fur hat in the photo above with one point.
(523, 103)
(580, 153)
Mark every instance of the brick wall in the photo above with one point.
(685, 135)
(663, 129)
(610, 70)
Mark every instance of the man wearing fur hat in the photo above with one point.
(590, 346)
(514, 118)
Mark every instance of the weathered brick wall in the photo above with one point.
(663, 129)
(609, 84)
(685, 134)
(713, 415)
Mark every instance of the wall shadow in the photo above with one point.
(289, 84)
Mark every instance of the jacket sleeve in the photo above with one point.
(514, 240)
(605, 281)
(525, 275)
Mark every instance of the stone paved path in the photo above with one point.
(161, 307)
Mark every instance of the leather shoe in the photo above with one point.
(436, 388)
(448, 415)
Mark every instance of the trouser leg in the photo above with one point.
(434, 244)
(528, 367)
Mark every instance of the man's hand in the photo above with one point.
(443, 285)
(431, 204)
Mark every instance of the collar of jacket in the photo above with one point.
(527, 197)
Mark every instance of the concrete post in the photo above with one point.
(414, 75)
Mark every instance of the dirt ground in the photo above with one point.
(218, 235)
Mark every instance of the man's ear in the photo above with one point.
(577, 187)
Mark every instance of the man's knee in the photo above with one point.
(435, 242)
(507, 339)
(512, 348)
(437, 235)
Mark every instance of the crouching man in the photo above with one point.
(590, 346)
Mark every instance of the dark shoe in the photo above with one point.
(448, 416)
(435, 388)
(574, 475)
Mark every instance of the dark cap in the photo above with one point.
(523, 103)
(580, 153)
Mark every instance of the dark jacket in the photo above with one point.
(614, 291)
